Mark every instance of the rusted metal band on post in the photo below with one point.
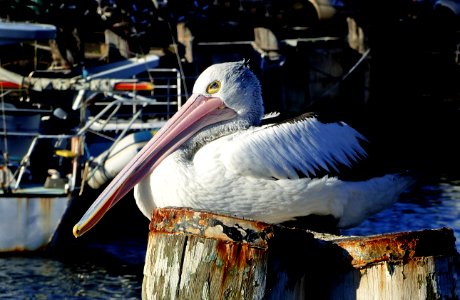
(398, 247)
(211, 225)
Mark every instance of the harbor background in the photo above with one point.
(404, 96)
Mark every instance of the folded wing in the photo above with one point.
(300, 147)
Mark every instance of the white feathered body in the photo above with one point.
(255, 174)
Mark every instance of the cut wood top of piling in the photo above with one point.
(399, 246)
(360, 251)
(211, 225)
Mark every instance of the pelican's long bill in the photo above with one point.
(198, 112)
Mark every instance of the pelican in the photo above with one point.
(215, 155)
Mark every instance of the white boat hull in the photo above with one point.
(29, 223)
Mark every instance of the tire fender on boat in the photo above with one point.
(110, 162)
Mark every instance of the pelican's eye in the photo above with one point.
(213, 87)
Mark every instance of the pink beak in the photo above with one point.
(198, 112)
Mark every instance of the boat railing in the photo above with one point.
(155, 107)
(120, 116)
(102, 107)
(21, 166)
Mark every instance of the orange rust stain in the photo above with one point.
(261, 225)
(21, 249)
(223, 255)
(45, 208)
(402, 246)
(159, 218)
(182, 220)
(234, 260)
(372, 251)
(237, 255)
(163, 214)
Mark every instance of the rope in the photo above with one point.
(352, 69)
(5, 140)
(179, 63)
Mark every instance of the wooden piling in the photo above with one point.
(202, 255)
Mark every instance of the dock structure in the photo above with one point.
(202, 255)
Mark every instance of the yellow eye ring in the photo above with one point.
(213, 87)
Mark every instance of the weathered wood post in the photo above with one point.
(201, 255)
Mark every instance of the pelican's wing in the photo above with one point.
(301, 146)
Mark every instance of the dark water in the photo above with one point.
(112, 269)
(41, 278)
(429, 206)
(98, 271)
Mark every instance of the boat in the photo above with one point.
(17, 32)
(58, 130)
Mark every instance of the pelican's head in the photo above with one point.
(236, 85)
